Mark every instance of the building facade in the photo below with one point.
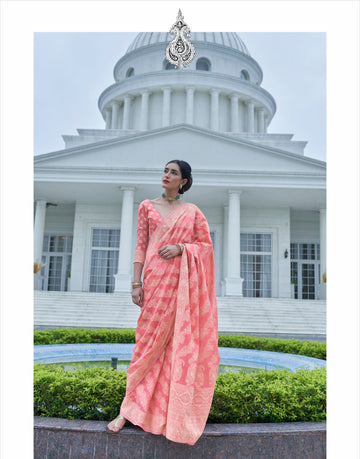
(264, 200)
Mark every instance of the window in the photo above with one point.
(203, 64)
(57, 260)
(305, 251)
(256, 261)
(244, 75)
(130, 72)
(168, 65)
(305, 270)
(104, 259)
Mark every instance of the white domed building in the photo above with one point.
(264, 200)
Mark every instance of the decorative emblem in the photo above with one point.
(180, 51)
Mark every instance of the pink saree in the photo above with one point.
(172, 375)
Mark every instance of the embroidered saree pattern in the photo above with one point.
(172, 375)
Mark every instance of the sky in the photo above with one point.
(72, 69)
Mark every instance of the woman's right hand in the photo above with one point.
(138, 296)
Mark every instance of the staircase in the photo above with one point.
(277, 317)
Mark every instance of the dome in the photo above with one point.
(219, 90)
(229, 39)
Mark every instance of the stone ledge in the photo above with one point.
(82, 439)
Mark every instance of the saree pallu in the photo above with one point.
(172, 375)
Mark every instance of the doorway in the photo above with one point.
(57, 260)
(305, 270)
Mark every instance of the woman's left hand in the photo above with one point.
(169, 251)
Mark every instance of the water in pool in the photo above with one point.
(122, 365)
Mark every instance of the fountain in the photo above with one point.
(233, 357)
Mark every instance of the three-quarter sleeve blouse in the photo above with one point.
(147, 222)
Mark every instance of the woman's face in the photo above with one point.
(171, 178)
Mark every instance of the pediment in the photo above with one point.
(203, 149)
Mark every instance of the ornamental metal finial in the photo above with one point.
(180, 51)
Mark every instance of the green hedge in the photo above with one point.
(90, 393)
(265, 396)
(83, 335)
(270, 396)
(105, 335)
(289, 346)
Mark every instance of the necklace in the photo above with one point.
(170, 199)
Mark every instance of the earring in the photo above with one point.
(180, 188)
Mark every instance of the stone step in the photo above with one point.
(131, 323)
(109, 296)
(224, 317)
(45, 304)
(236, 315)
(83, 312)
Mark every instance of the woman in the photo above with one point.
(172, 375)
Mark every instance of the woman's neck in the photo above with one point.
(170, 196)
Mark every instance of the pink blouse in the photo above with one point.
(148, 220)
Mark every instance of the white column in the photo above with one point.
(267, 121)
(108, 118)
(144, 110)
(166, 106)
(225, 241)
(123, 276)
(233, 281)
(250, 116)
(81, 244)
(214, 120)
(322, 290)
(126, 117)
(224, 249)
(115, 114)
(39, 226)
(261, 120)
(189, 105)
(234, 112)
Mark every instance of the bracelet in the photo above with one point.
(180, 246)
(136, 284)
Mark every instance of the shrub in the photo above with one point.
(270, 396)
(90, 393)
(288, 346)
(83, 335)
(105, 335)
(265, 396)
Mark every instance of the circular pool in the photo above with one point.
(248, 358)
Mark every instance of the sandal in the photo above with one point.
(118, 422)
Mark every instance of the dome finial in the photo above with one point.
(180, 51)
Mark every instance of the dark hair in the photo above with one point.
(185, 170)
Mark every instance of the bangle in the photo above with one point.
(180, 246)
(136, 284)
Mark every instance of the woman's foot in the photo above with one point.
(116, 425)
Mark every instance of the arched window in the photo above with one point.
(203, 64)
(130, 72)
(168, 66)
(244, 75)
